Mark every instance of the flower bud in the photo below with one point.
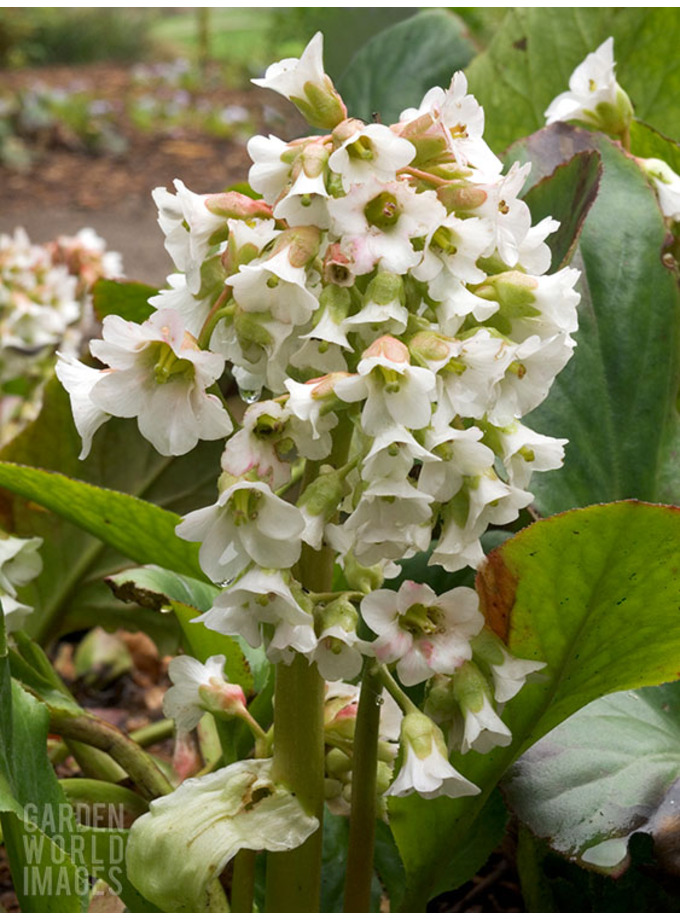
(513, 290)
(239, 206)
(427, 137)
(338, 764)
(361, 577)
(461, 197)
(324, 494)
(385, 288)
(314, 159)
(388, 347)
(332, 788)
(346, 129)
(222, 699)
(302, 243)
(430, 346)
(336, 301)
(614, 118)
(250, 329)
(384, 777)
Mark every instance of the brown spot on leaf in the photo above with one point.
(520, 44)
(131, 593)
(496, 586)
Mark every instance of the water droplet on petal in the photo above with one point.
(249, 396)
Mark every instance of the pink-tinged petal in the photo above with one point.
(412, 667)
(392, 646)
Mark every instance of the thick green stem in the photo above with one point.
(243, 883)
(359, 873)
(139, 765)
(294, 877)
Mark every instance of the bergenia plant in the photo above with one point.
(362, 336)
(388, 316)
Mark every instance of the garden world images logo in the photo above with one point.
(64, 853)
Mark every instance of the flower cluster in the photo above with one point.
(44, 302)
(387, 315)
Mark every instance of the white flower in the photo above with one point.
(269, 173)
(258, 599)
(396, 393)
(484, 730)
(303, 81)
(186, 704)
(311, 423)
(78, 380)
(289, 76)
(19, 564)
(305, 202)
(667, 185)
(339, 653)
(508, 673)
(458, 454)
(177, 296)
(456, 303)
(372, 151)
(426, 768)
(534, 253)
(423, 633)
(379, 220)
(461, 119)
(393, 520)
(187, 247)
(275, 286)
(482, 361)
(256, 445)
(523, 451)
(594, 96)
(529, 377)
(248, 523)
(156, 374)
(451, 254)
(508, 216)
(187, 838)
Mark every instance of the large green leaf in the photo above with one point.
(646, 141)
(594, 593)
(68, 593)
(129, 299)
(37, 822)
(141, 531)
(610, 770)
(615, 400)
(567, 196)
(395, 69)
(535, 51)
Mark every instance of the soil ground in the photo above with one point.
(67, 188)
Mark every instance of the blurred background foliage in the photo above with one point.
(242, 38)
